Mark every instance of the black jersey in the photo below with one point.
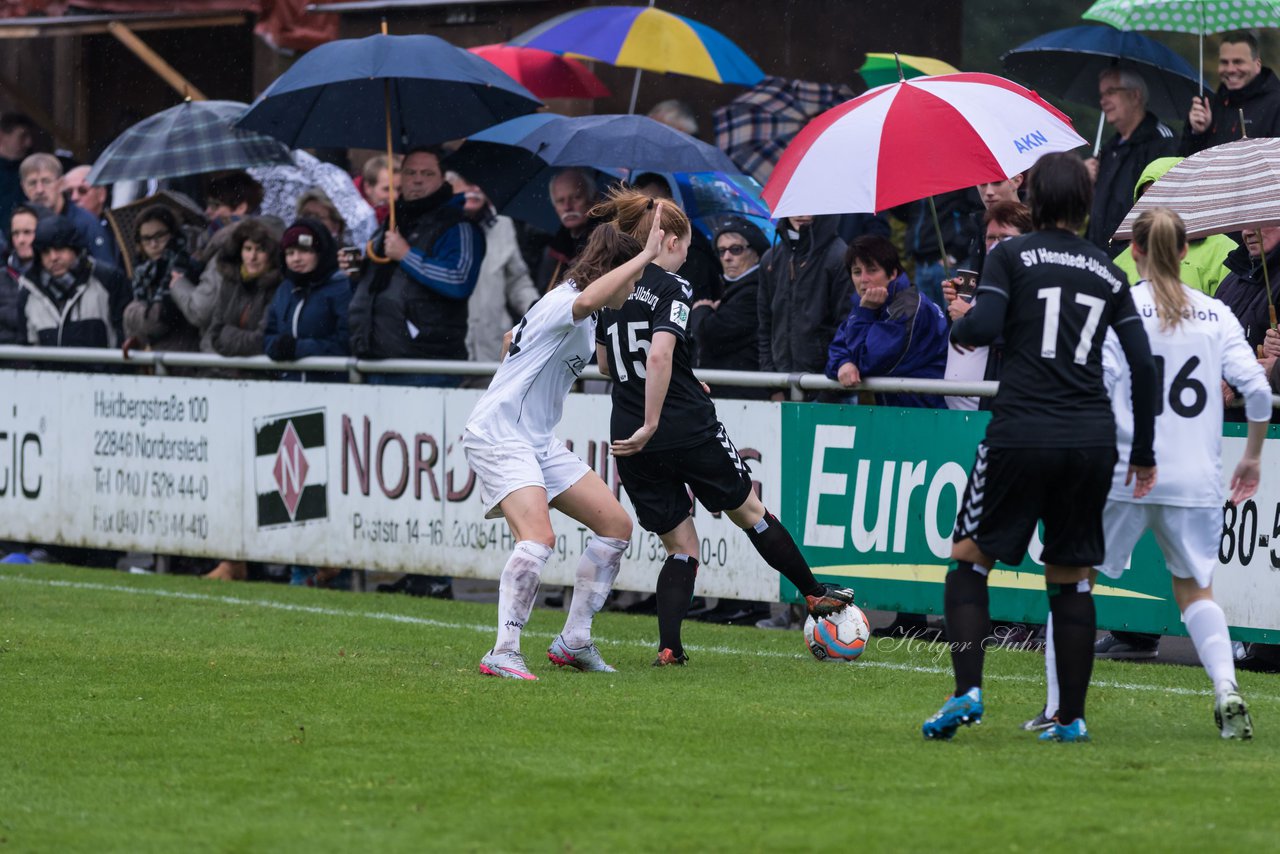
(660, 303)
(1063, 294)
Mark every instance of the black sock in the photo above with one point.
(775, 545)
(674, 593)
(1075, 623)
(968, 615)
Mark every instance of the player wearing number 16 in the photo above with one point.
(522, 467)
(1197, 342)
(1051, 444)
(666, 436)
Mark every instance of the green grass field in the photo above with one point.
(172, 714)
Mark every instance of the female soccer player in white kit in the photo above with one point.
(1196, 341)
(522, 467)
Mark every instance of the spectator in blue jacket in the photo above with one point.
(308, 316)
(893, 330)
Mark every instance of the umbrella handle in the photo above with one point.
(374, 256)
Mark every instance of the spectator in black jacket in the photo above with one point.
(803, 296)
(1140, 138)
(18, 258)
(724, 330)
(1246, 84)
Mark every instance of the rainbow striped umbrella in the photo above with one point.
(882, 68)
(646, 39)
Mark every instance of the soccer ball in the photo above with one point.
(839, 637)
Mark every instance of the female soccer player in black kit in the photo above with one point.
(1051, 443)
(667, 437)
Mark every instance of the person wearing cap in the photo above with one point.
(308, 316)
(725, 329)
(69, 298)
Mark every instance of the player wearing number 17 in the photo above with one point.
(1051, 444)
(1197, 341)
(522, 467)
(666, 436)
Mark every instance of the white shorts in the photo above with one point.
(1188, 537)
(502, 469)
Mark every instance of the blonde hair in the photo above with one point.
(1162, 236)
(631, 211)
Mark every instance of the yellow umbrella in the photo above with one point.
(882, 68)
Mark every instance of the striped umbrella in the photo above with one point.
(917, 138)
(190, 139)
(646, 39)
(882, 68)
(1222, 189)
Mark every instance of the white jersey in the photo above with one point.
(548, 351)
(1191, 360)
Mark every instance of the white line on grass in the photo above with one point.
(485, 628)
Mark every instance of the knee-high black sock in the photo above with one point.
(1075, 623)
(968, 615)
(775, 545)
(674, 593)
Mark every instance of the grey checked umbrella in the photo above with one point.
(189, 139)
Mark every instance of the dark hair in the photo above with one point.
(1242, 37)
(606, 249)
(9, 122)
(1015, 214)
(160, 213)
(31, 210)
(648, 179)
(1059, 192)
(434, 150)
(256, 230)
(235, 189)
(875, 249)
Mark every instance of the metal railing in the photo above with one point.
(796, 385)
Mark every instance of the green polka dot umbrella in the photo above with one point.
(1186, 16)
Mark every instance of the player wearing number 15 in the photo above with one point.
(666, 436)
(522, 467)
(1051, 444)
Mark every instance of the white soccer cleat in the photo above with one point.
(586, 658)
(1232, 716)
(508, 665)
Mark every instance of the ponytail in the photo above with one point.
(1162, 237)
(631, 211)
(606, 249)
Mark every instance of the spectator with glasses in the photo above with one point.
(92, 199)
(153, 319)
(724, 329)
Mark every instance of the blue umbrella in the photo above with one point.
(1066, 63)
(636, 143)
(710, 198)
(417, 90)
(514, 161)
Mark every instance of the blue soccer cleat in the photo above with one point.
(1074, 731)
(965, 709)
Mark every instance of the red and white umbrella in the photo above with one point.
(908, 140)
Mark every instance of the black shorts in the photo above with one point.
(1011, 489)
(659, 482)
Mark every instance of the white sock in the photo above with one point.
(1050, 671)
(516, 592)
(596, 571)
(1207, 626)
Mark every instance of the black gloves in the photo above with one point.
(283, 349)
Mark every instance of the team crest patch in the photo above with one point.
(679, 314)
